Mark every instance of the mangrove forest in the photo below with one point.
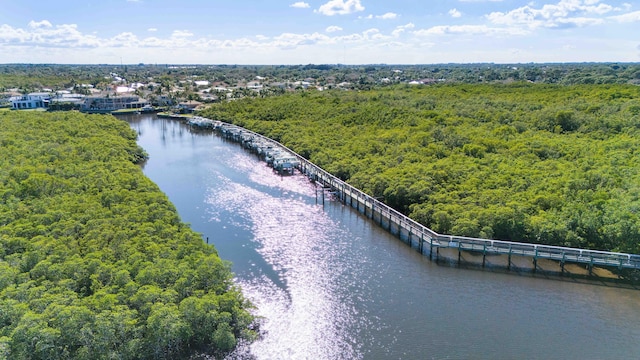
(539, 163)
(95, 262)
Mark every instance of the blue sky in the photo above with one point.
(318, 31)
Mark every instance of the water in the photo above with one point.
(330, 284)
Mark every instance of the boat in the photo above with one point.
(147, 109)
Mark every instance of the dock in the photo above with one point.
(475, 252)
(277, 156)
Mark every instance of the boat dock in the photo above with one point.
(280, 158)
(474, 252)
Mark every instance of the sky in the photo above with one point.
(318, 31)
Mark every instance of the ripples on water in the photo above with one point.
(302, 302)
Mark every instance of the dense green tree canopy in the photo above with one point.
(524, 162)
(94, 260)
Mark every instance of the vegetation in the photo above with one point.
(525, 162)
(179, 80)
(94, 260)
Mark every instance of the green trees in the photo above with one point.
(537, 163)
(94, 261)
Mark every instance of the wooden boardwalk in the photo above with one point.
(425, 240)
(428, 241)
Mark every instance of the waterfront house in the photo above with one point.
(107, 104)
(30, 101)
(189, 106)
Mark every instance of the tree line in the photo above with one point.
(34, 77)
(94, 261)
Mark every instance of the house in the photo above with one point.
(99, 104)
(30, 101)
(201, 82)
(301, 84)
(163, 100)
(254, 85)
(64, 99)
(189, 106)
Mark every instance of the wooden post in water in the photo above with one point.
(431, 249)
(410, 239)
(344, 195)
(484, 253)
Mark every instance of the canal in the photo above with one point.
(329, 284)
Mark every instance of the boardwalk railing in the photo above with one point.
(425, 240)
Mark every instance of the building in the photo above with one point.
(99, 104)
(64, 100)
(189, 106)
(162, 100)
(31, 101)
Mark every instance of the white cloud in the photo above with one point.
(400, 29)
(468, 30)
(627, 18)
(41, 41)
(181, 34)
(291, 41)
(372, 34)
(44, 34)
(39, 24)
(564, 13)
(387, 16)
(10, 35)
(340, 7)
(300, 5)
(455, 13)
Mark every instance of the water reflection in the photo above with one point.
(298, 292)
(331, 285)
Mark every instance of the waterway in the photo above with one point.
(329, 284)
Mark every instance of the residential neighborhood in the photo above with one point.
(109, 88)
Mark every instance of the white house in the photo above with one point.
(254, 85)
(31, 101)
